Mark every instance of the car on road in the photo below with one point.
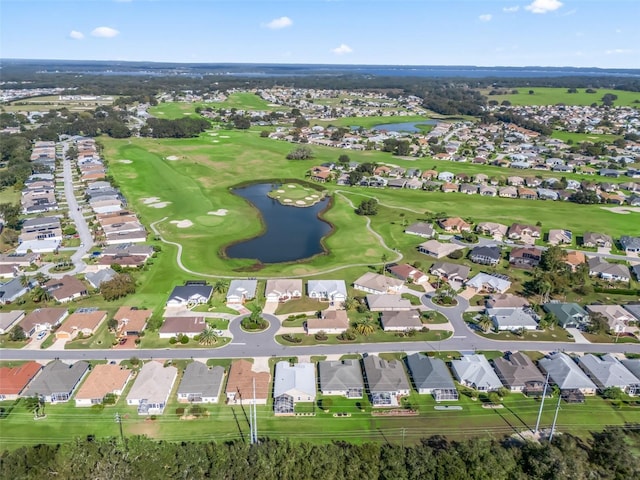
(41, 335)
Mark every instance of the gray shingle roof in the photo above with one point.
(428, 372)
(57, 377)
(200, 379)
(385, 376)
(340, 375)
(564, 372)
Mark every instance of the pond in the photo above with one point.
(291, 233)
(404, 127)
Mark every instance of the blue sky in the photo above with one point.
(581, 33)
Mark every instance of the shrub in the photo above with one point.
(326, 403)
(184, 339)
(321, 336)
(180, 411)
(291, 338)
(456, 255)
(173, 340)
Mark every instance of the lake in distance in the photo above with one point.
(291, 233)
(404, 127)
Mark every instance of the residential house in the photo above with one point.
(131, 320)
(341, 377)
(633, 365)
(190, 294)
(331, 322)
(569, 315)
(495, 230)
(449, 187)
(519, 374)
(375, 283)
(386, 381)
(84, 321)
(527, 193)
(14, 380)
(241, 290)
(513, 319)
(437, 249)
(42, 319)
(104, 379)
(560, 237)
(407, 273)
(515, 181)
(246, 385)
(525, 257)
(66, 288)
(431, 377)
(488, 191)
(508, 192)
(12, 290)
(599, 240)
(401, 321)
(630, 244)
(200, 383)
(421, 229)
(334, 291)
(189, 326)
(486, 255)
(152, 387)
(566, 374)
(9, 319)
(518, 231)
(385, 303)
(293, 383)
(446, 176)
(454, 224)
(283, 289)
(615, 272)
(57, 381)
(490, 283)
(506, 300)
(607, 372)
(475, 372)
(96, 279)
(617, 317)
(452, 272)
(574, 259)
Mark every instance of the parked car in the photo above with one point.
(41, 335)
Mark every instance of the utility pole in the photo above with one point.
(119, 422)
(255, 414)
(555, 417)
(544, 394)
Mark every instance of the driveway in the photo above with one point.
(577, 335)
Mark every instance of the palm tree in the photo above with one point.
(349, 303)
(220, 286)
(384, 259)
(208, 336)
(485, 323)
(40, 294)
(366, 326)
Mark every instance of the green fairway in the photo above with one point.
(239, 101)
(369, 122)
(583, 137)
(553, 96)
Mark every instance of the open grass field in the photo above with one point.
(583, 137)
(368, 122)
(240, 101)
(53, 102)
(9, 195)
(553, 96)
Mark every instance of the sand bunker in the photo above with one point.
(313, 196)
(221, 212)
(291, 186)
(173, 158)
(287, 200)
(150, 200)
(159, 204)
(308, 198)
(280, 191)
(125, 161)
(213, 134)
(182, 223)
(215, 141)
(622, 210)
(225, 136)
(300, 202)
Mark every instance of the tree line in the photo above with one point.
(606, 455)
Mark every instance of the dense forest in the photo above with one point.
(610, 454)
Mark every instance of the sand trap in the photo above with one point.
(622, 210)
(221, 212)
(182, 223)
(213, 134)
(149, 200)
(173, 158)
(280, 191)
(308, 198)
(125, 161)
(159, 204)
(186, 113)
(215, 141)
(291, 186)
(300, 202)
(287, 200)
(225, 136)
(313, 196)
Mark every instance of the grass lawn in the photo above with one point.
(304, 304)
(153, 340)
(604, 338)
(9, 195)
(103, 338)
(552, 96)
(556, 335)
(240, 101)
(583, 137)
(377, 337)
(5, 342)
(296, 194)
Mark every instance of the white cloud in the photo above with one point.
(76, 35)
(543, 6)
(105, 32)
(511, 9)
(619, 51)
(486, 17)
(342, 49)
(278, 23)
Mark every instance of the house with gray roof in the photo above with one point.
(453, 272)
(386, 381)
(383, 303)
(293, 383)
(506, 300)
(283, 289)
(513, 319)
(617, 317)
(328, 290)
(96, 279)
(630, 244)
(57, 381)
(475, 372)
(241, 290)
(486, 282)
(608, 372)
(341, 377)
(558, 236)
(486, 255)
(633, 309)
(599, 267)
(431, 376)
(519, 374)
(633, 365)
(190, 294)
(594, 239)
(9, 319)
(12, 290)
(569, 315)
(200, 383)
(566, 374)
(438, 249)
(400, 321)
(152, 387)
